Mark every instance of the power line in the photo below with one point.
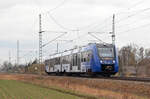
(135, 21)
(66, 41)
(59, 5)
(54, 20)
(95, 37)
(55, 31)
(136, 13)
(136, 4)
(54, 39)
(57, 23)
(145, 25)
(120, 26)
(28, 53)
(80, 36)
(90, 25)
(56, 7)
(86, 34)
(61, 26)
(18, 53)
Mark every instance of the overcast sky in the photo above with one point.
(19, 21)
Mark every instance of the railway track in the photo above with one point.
(137, 79)
(130, 79)
(126, 79)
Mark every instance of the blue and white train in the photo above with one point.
(94, 58)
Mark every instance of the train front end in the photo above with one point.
(108, 59)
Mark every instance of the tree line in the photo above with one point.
(131, 57)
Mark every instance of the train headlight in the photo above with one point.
(101, 61)
(113, 61)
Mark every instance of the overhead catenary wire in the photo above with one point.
(130, 16)
(55, 31)
(136, 4)
(134, 14)
(91, 34)
(57, 23)
(60, 25)
(95, 23)
(138, 27)
(30, 55)
(56, 7)
(63, 2)
(52, 9)
(54, 39)
(53, 50)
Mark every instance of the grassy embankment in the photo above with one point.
(80, 88)
(10, 89)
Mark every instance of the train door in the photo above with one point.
(71, 61)
(57, 66)
(61, 63)
(74, 62)
(79, 61)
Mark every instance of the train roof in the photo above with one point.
(80, 49)
(104, 45)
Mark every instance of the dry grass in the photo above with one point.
(10, 89)
(101, 88)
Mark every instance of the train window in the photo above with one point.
(86, 56)
(84, 59)
(69, 59)
(106, 52)
(46, 62)
(66, 59)
(63, 59)
(75, 60)
(89, 55)
(72, 61)
(83, 56)
(51, 62)
(79, 61)
(57, 61)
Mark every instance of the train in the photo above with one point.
(91, 59)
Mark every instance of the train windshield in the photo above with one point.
(106, 52)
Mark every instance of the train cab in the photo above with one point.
(108, 59)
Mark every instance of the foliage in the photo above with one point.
(133, 55)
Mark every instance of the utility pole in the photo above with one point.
(113, 30)
(40, 40)
(57, 50)
(36, 54)
(57, 47)
(9, 57)
(17, 52)
(78, 37)
(40, 44)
